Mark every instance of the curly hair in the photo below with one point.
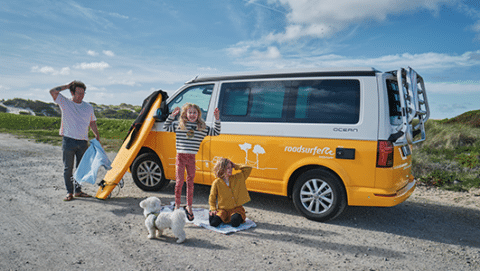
(220, 167)
(183, 117)
(76, 84)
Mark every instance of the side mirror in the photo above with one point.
(159, 116)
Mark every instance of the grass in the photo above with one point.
(449, 158)
(45, 129)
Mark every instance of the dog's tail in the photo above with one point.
(178, 222)
(178, 217)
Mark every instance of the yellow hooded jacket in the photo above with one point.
(233, 195)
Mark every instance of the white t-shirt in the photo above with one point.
(76, 118)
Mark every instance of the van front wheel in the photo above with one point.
(147, 172)
(318, 195)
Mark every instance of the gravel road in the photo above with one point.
(433, 230)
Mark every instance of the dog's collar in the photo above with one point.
(152, 213)
(155, 215)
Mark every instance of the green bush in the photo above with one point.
(451, 151)
(438, 178)
(469, 160)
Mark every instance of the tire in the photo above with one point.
(147, 172)
(318, 195)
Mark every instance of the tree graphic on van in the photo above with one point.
(245, 147)
(257, 149)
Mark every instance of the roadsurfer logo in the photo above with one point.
(325, 152)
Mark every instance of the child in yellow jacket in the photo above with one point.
(228, 193)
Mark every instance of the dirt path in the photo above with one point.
(433, 230)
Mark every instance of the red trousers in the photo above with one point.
(184, 161)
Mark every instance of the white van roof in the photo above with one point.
(352, 71)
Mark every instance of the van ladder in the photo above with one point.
(414, 103)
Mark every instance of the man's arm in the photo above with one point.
(93, 126)
(55, 91)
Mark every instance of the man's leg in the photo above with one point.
(80, 149)
(68, 148)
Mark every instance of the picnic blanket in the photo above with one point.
(201, 220)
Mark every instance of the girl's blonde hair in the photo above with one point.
(183, 117)
(220, 167)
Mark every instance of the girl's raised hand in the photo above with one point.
(216, 113)
(175, 111)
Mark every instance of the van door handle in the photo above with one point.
(344, 153)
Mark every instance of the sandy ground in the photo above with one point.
(433, 230)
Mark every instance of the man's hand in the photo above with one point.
(54, 91)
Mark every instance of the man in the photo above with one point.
(77, 116)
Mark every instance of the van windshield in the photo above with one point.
(199, 95)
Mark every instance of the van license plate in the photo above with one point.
(406, 150)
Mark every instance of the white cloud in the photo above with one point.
(92, 53)
(116, 15)
(312, 12)
(296, 31)
(238, 50)
(453, 88)
(45, 70)
(50, 70)
(475, 15)
(122, 81)
(92, 66)
(271, 53)
(434, 61)
(476, 27)
(108, 53)
(65, 71)
(427, 61)
(315, 21)
(323, 18)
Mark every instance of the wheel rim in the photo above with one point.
(316, 196)
(149, 173)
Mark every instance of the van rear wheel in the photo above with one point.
(147, 172)
(318, 195)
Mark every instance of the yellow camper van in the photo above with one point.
(327, 138)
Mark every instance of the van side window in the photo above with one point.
(253, 101)
(236, 101)
(199, 95)
(327, 101)
(394, 102)
(301, 101)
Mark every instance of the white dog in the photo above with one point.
(156, 221)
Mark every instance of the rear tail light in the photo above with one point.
(384, 154)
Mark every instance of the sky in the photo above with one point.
(124, 50)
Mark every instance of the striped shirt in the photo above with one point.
(189, 140)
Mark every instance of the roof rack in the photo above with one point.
(288, 73)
